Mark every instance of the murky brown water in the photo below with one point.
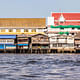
(39, 67)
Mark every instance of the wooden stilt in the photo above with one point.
(31, 51)
(46, 50)
(20, 51)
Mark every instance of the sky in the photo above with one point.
(36, 8)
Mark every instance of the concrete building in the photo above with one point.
(77, 42)
(62, 43)
(63, 22)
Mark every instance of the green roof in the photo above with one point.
(61, 33)
(64, 33)
(68, 26)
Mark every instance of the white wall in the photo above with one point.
(50, 21)
(61, 40)
(22, 30)
(53, 40)
(6, 41)
(14, 30)
(6, 30)
(70, 40)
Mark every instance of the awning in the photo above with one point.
(7, 36)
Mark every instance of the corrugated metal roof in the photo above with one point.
(23, 22)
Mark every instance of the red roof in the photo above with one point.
(67, 16)
(67, 23)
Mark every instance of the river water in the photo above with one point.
(39, 67)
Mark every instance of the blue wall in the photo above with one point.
(22, 44)
(2, 46)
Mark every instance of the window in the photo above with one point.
(70, 45)
(2, 30)
(10, 41)
(18, 30)
(3, 41)
(60, 45)
(25, 30)
(72, 33)
(57, 23)
(73, 28)
(54, 45)
(70, 38)
(64, 45)
(33, 30)
(10, 30)
(22, 40)
(61, 28)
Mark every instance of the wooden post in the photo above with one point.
(20, 50)
(4, 48)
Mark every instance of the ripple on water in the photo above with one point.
(4, 75)
(31, 62)
(39, 67)
(29, 76)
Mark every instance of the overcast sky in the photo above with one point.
(36, 8)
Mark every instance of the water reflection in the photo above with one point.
(39, 67)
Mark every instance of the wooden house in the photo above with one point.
(40, 42)
(22, 42)
(7, 42)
